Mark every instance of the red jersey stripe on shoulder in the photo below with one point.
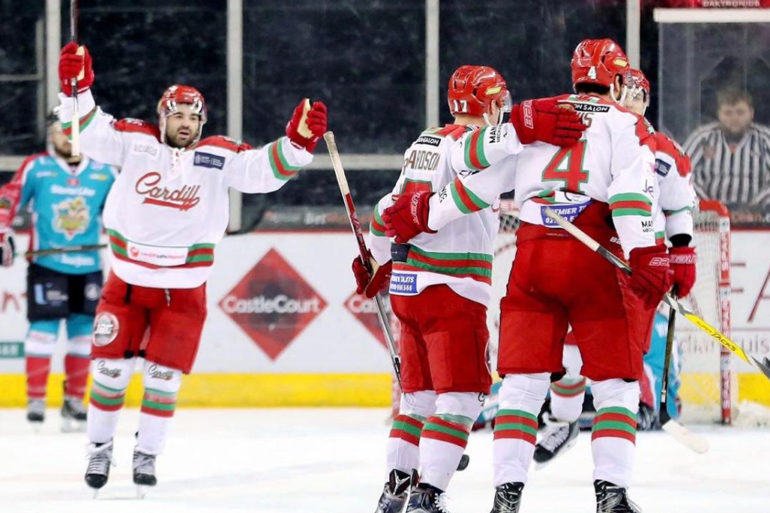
(453, 131)
(19, 172)
(227, 143)
(138, 126)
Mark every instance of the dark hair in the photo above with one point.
(52, 117)
(586, 88)
(733, 95)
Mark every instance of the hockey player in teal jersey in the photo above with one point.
(65, 195)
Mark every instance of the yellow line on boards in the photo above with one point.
(239, 390)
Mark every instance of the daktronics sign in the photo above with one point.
(272, 304)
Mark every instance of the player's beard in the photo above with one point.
(175, 141)
(66, 154)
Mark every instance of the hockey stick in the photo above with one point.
(69, 249)
(668, 298)
(672, 427)
(75, 126)
(355, 225)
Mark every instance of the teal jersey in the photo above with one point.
(66, 203)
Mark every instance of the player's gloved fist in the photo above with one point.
(651, 274)
(683, 261)
(547, 120)
(307, 124)
(408, 216)
(75, 62)
(368, 283)
(7, 247)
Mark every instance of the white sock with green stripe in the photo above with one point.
(108, 393)
(161, 385)
(521, 397)
(567, 396)
(613, 437)
(445, 435)
(403, 447)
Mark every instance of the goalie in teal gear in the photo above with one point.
(65, 195)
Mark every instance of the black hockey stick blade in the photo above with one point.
(463, 462)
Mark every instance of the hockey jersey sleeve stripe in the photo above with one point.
(281, 168)
(464, 199)
(84, 122)
(630, 204)
(475, 158)
(377, 226)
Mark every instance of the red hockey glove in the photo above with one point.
(651, 274)
(548, 121)
(683, 261)
(408, 216)
(7, 247)
(367, 284)
(307, 124)
(72, 65)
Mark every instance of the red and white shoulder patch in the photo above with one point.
(228, 143)
(138, 126)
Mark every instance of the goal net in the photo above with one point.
(709, 389)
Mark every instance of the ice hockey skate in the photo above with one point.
(99, 462)
(507, 498)
(426, 499)
(36, 413)
(144, 472)
(395, 492)
(559, 436)
(73, 415)
(611, 498)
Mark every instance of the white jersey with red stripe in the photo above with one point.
(613, 163)
(169, 207)
(677, 195)
(460, 254)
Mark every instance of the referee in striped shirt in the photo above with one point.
(731, 157)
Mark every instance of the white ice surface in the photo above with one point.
(332, 461)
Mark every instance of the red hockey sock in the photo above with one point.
(37, 369)
(76, 375)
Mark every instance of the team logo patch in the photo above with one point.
(106, 328)
(208, 160)
(403, 284)
(662, 168)
(71, 217)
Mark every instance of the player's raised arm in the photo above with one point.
(268, 168)
(101, 137)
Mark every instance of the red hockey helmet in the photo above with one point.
(473, 90)
(636, 81)
(175, 95)
(598, 61)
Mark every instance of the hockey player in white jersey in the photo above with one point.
(164, 215)
(440, 288)
(673, 221)
(605, 184)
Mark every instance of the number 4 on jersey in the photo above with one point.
(567, 166)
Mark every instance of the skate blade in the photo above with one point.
(36, 427)
(141, 491)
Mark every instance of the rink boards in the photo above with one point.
(285, 327)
